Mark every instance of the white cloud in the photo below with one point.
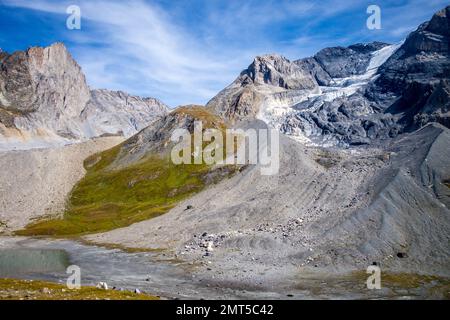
(138, 47)
(143, 51)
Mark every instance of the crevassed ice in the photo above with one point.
(273, 111)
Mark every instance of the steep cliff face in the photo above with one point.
(45, 90)
(42, 79)
(45, 100)
(419, 73)
(278, 71)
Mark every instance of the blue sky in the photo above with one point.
(186, 51)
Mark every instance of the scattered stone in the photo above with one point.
(102, 285)
(46, 291)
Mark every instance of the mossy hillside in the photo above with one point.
(209, 120)
(398, 284)
(399, 280)
(110, 197)
(107, 199)
(12, 289)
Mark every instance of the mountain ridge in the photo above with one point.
(45, 101)
(358, 95)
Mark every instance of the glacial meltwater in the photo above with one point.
(150, 272)
(22, 261)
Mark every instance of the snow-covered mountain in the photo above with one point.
(339, 102)
(45, 101)
(349, 95)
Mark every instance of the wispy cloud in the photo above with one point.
(142, 50)
(186, 51)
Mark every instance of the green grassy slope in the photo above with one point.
(109, 197)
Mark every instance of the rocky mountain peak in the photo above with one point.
(44, 96)
(432, 36)
(349, 95)
(276, 70)
(440, 23)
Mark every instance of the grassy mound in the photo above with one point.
(11, 289)
(111, 197)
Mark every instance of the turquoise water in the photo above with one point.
(24, 260)
(45, 259)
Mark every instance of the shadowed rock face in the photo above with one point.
(365, 48)
(313, 67)
(44, 95)
(340, 62)
(424, 57)
(432, 36)
(419, 73)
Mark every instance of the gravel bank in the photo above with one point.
(35, 183)
(326, 211)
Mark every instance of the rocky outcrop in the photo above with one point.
(436, 108)
(265, 76)
(313, 67)
(422, 58)
(278, 71)
(342, 121)
(339, 62)
(319, 97)
(44, 99)
(401, 89)
(155, 139)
